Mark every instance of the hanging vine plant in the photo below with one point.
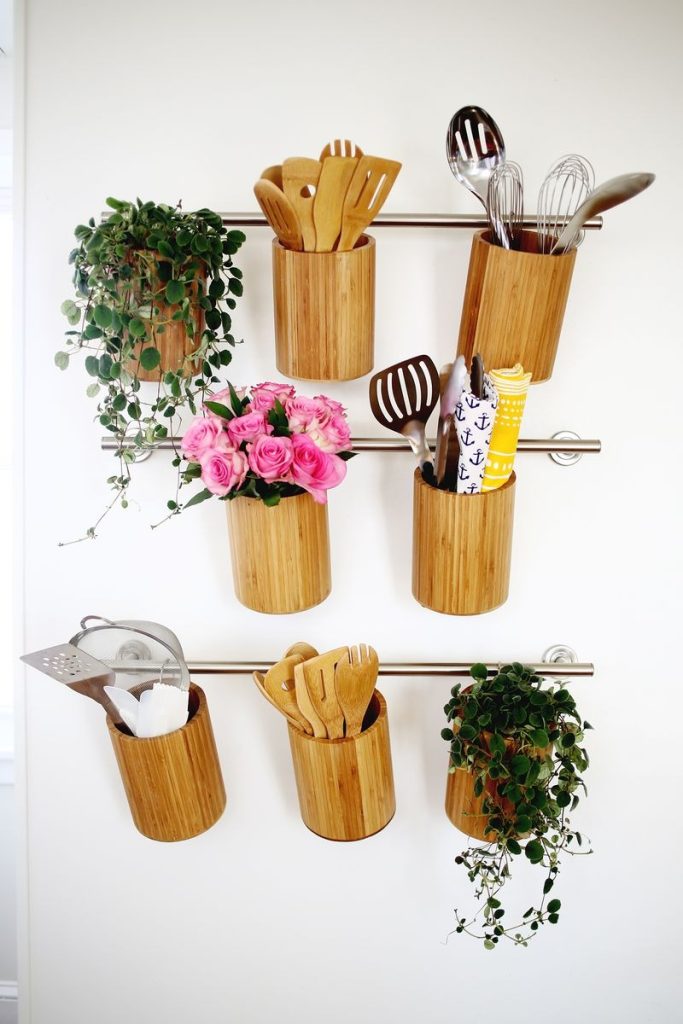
(516, 759)
(154, 290)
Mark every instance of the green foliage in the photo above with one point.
(522, 742)
(144, 267)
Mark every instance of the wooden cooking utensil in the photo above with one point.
(305, 704)
(402, 398)
(341, 147)
(304, 650)
(274, 174)
(279, 213)
(300, 177)
(259, 679)
(279, 684)
(354, 682)
(369, 188)
(319, 679)
(328, 204)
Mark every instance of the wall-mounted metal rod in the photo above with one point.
(387, 668)
(549, 445)
(255, 219)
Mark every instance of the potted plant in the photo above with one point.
(153, 290)
(516, 759)
(271, 455)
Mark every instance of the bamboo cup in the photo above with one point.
(514, 305)
(280, 554)
(173, 343)
(462, 547)
(325, 312)
(346, 786)
(173, 782)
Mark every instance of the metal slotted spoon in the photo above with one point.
(474, 147)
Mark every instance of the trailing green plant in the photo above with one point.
(522, 744)
(142, 269)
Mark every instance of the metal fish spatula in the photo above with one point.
(79, 671)
(402, 398)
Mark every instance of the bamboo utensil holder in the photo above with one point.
(173, 783)
(462, 547)
(346, 786)
(173, 343)
(325, 312)
(464, 809)
(280, 554)
(514, 305)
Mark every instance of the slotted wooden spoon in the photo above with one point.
(279, 213)
(354, 683)
(341, 147)
(280, 686)
(328, 204)
(318, 676)
(371, 183)
(402, 398)
(300, 177)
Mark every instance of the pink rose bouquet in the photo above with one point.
(266, 442)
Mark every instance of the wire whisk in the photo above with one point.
(564, 188)
(505, 203)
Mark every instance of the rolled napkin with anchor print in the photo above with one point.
(512, 386)
(474, 418)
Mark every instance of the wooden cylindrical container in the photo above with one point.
(346, 786)
(280, 554)
(514, 305)
(462, 546)
(463, 808)
(173, 782)
(324, 312)
(173, 343)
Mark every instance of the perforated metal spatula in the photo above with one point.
(402, 398)
(79, 671)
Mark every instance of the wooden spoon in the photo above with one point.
(328, 204)
(303, 649)
(305, 704)
(318, 676)
(274, 174)
(279, 213)
(354, 682)
(300, 177)
(259, 680)
(279, 685)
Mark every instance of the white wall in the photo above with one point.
(258, 919)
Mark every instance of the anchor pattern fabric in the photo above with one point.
(512, 386)
(474, 418)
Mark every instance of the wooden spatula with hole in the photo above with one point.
(354, 683)
(279, 213)
(279, 684)
(371, 184)
(300, 177)
(318, 674)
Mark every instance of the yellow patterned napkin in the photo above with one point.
(512, 386)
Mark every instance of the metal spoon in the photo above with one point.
(604, 197)
(474, 147)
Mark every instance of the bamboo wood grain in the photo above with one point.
(462, 547)
(328, 204)
(173, 343)
(346, 786)
(280, 555)
(305, 704)
(514, 305)
(300, 176)
(173, 783)
(324, 307)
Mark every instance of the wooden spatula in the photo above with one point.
(280, 687)
(369, 188)
(341, 147)
(305, 704)
(354, 683)
(319, 679)
(304, 650)
(274, 174)
(300, 177)
(402, 398)
(259, 679)
(279, 213)
(328, 204)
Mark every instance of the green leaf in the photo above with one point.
(563, 799)
(235, 287)
(150, 358)
(92, 390)
(237, 236)
(540, 738)
(447, 734)
(271, 500)
(104, 366)
(92, 365)
(520, 764)
(489, 944)
(61, 360)
(219, 410)
(568, 740)
(497, 744)
(213, 319)
(196, 498)
(468, 732)
(547, 886)
(175, 291)
(513, 846)
(137, 328)
(534, 851)
(216, 288)
(554, 906)
(102, 315)
(479, 671)
(523, 823)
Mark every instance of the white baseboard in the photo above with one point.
(9, 990)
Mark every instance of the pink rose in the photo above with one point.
(224, 398)
(301, 412)
(334, 436)
(248, 427)
(223, 471)
(271, 457)
(263, 396)
(313, 469)
(203, 433)
(332, 404)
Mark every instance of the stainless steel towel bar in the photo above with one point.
(255, 219)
